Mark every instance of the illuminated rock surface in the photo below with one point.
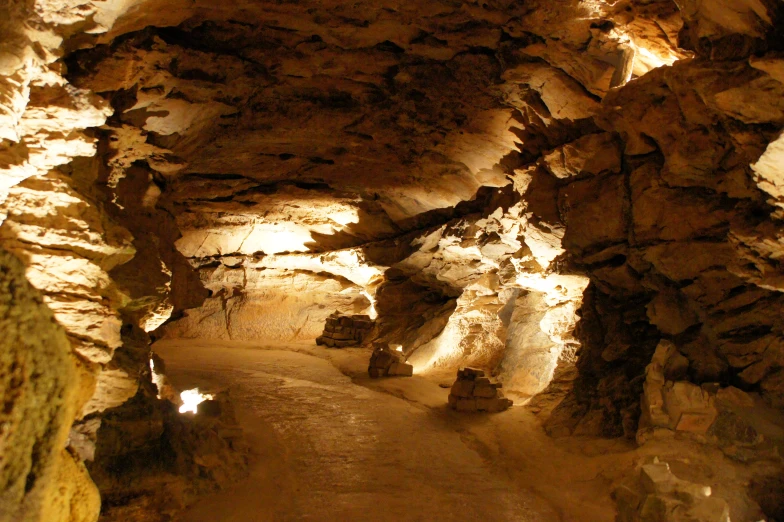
(386, 362)
(345, 330)
(472, 391)
(582, 199)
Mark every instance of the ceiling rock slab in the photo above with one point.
(402, 109)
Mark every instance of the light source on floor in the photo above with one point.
(157, 378)
(192, 398)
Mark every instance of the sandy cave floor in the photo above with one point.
(330, 444)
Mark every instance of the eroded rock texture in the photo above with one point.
(544, 190)
(40, 479)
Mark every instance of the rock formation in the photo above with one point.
(584, 198)
(386, 362)
(664, 497)
(41, 480)
(344, 330)
(472, 391)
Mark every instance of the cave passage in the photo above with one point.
(329, 443)
(391, 260)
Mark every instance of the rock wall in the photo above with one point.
(40, 480)
(544, 190)
(673, 243)
(69, 245)
(57, 219)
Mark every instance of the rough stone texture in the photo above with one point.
(681, 405)
(258, 137)
(545, 190)
(343, 330)
(45, 213)
(660, 496)
(472, 391)
(40, 481)
(152, 461)
(42, 116)
(294, 295)
(386, 362)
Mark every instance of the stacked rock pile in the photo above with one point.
(386, 362)
(472, 391)
(345, 330)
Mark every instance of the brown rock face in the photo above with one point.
(544, 190)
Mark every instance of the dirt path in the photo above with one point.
(329, 448)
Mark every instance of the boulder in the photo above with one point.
(385, 362)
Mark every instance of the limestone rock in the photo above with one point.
(386, 362)
(41, 401)
(680, 405)
(658, 495)
(689, 407)
(592, 154)
(472, 391)
(343, 330)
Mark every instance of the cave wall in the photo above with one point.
(673, 243)
(481, 175)
(40, 479)
(618, 185)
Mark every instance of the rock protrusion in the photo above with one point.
(386, 362)
(660, 496)
(673, 405)
(345, 330)
(472, 391)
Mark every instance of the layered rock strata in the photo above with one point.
(472, 391)
(343, 330)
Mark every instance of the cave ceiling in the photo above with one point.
(308, 126)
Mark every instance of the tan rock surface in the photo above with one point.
(546, 190)
(40, 480)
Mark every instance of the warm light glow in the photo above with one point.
(398, 347)
(372, 310)
(349, 263)
(191, 400)
(157, 378)
(345, 216)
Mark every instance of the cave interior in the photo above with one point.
(386, 260)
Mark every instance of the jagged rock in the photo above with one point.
(480, 175)
(592, 154)
(689, 407)
(679, 406)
